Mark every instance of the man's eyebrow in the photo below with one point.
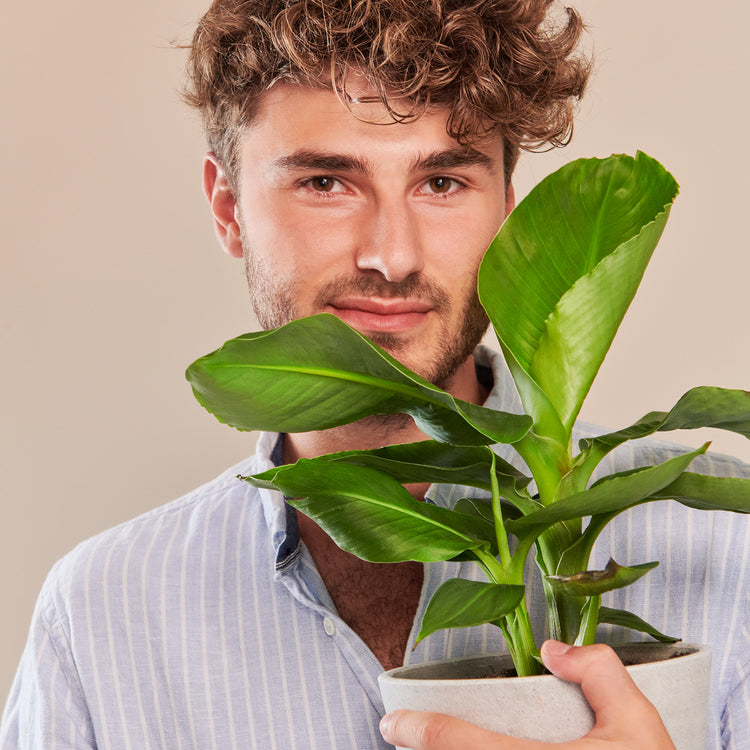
(454, 157)
(322, 162)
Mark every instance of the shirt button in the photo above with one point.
(329, 626)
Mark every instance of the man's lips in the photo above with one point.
(381, 315)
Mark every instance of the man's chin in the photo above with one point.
(440, 371)
(396, 346)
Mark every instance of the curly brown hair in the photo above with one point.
(497, 65)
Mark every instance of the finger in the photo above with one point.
(423, 730)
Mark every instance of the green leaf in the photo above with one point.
(704, 406)
(625, 619)
(372, 516)
(597, 582)
(461, 604)
(317, 372)
(569, 259)
(481, 507)
(431, 461)
(708, 493)
(612, 494)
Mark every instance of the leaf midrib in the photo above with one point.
(336, 374)
(406, 511)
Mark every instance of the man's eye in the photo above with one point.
(441, 185)
(323, 184)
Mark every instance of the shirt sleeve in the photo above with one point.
(735, 721)
(46, 709)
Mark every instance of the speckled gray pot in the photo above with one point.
(675, 679)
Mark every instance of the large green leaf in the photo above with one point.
(317, 372)
(562, 271)
(461, 604)
(372, 516)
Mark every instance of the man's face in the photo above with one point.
(383, 225)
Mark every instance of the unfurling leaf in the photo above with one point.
(570, 258)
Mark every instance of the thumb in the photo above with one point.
(608, 688)
(597, 669)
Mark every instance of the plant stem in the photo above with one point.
(518, 633)
(516, 627)
(497, 512)
(489, 565)
(589, 621)
(548, 461)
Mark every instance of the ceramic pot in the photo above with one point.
(674, 677)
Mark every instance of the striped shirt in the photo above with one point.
(205, 624)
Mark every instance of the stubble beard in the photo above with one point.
(274, 304)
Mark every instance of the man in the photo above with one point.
(360, 164)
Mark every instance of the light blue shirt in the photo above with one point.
(205, 624)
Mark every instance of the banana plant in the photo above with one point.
(556, 283)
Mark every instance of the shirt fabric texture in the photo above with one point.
(205, 624)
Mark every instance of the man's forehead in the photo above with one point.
(322, 113)
(354, 94)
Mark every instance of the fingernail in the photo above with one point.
(386, 723)
(555, 648)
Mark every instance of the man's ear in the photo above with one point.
(510, 198)
(223, 206)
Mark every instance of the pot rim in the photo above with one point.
(682, 651)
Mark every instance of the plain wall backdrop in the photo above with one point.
(112, 281)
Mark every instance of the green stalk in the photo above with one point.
(497, 512)
(517, 626)
(548, 461)
(503, 625)
(491, 567)
(589, 621)
(520, 634)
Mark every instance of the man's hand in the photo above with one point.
(625, 720)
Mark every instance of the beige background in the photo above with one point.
(112, 283)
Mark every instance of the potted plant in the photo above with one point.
(556, 290)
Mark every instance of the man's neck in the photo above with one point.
(378, 431)
(378, 601)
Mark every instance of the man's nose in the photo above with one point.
(390, 242)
